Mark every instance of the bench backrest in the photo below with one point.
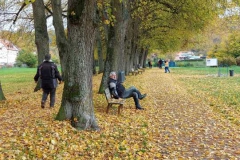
(107, 94)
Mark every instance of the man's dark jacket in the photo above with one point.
(118, 91)
(48, 73)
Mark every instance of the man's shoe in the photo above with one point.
(143, 96)
(139, 108)
(42, 104)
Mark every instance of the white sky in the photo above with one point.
(24, 18)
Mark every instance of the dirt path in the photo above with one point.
(189, 127)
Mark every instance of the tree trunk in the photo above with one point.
(115, 58)
(61, 39)
(128, 46)
(108, 65)
(99, 50)
(41, 34)
(2, 97)
(145, 57)
(141, 56)
(94, 70)
(77, 99)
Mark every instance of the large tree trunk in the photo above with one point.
(2, 97)
(109, 62)
(119, 35)
(128, 46)
(99, 42)
(115, 58)
(61, 39)
(41, 34)
(77, 99)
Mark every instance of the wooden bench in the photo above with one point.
(133, 72)
(111, 101)
(142, 69)
(139, 71)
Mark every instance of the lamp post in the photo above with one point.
(7, 53)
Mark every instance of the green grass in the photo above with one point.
(15, 79)
(222, 93)
(10, 74)
(205, 70)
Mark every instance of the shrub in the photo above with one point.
(229, 61)
(55, 59)
(27, 58)
(238, 61)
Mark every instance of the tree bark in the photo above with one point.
(2, 97)
(100, 51)
(41, 34)
(141, 57)
(145, 57)
(116, 56)
(94, 70)
(128, 46)
(61, 39)
(77, 99)
(108, 65)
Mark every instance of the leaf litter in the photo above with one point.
(174, 125)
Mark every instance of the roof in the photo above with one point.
(8, 45)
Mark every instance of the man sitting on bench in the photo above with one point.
(117, 90)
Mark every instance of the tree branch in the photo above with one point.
(23, 5)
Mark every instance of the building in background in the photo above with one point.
(184, 55)
(8, 53)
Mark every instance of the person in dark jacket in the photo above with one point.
(118, 90)
(160, 62)
(47, 73)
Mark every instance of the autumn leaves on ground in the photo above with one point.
(174, 125)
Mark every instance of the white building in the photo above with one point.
(8, 52)
(183, 55)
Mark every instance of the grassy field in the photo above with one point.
(14, 79)
(222, 92)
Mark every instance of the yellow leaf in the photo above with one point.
(53, 142)
(73, 13)
(158, 155)
(106, 22)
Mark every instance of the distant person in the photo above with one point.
(139, 66)
(149, 64)
(160, 62)
(117, 90)
(48, 74)
(167, 66)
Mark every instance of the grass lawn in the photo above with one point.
(220, 92)
(14, 79)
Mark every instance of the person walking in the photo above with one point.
(167, 66)
(47, 73)
(160, 62)
(117, 90)
(149, 63)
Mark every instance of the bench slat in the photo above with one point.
(112, 101)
